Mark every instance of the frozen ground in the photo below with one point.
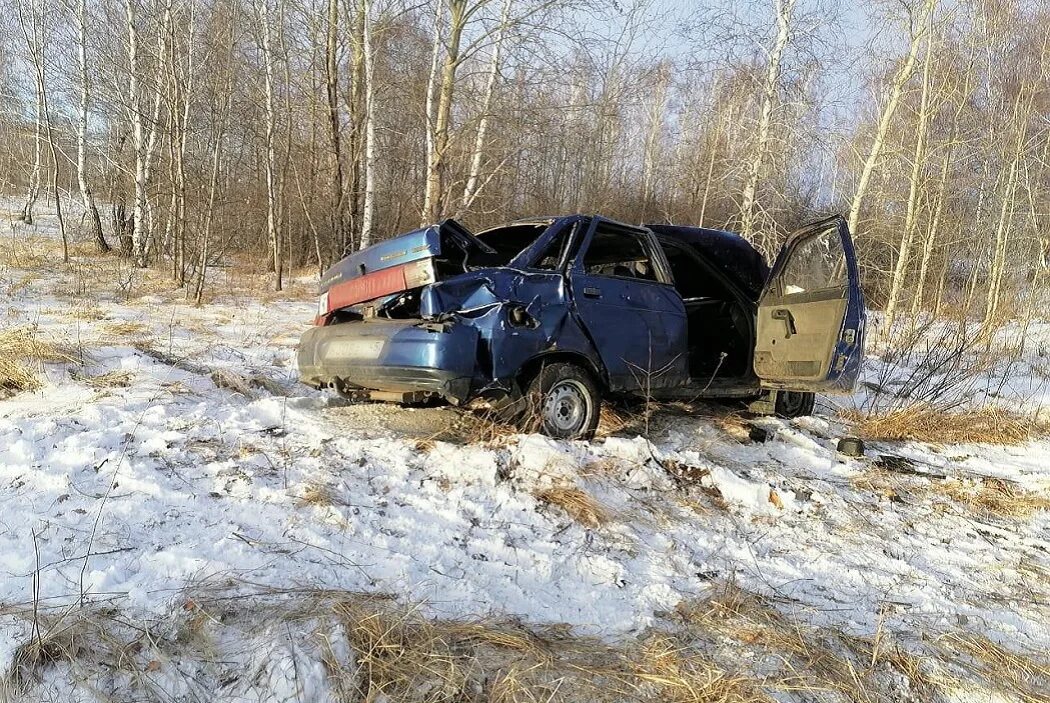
(144, 471)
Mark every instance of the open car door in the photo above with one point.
(810, 327)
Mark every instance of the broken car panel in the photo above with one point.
(660, 310)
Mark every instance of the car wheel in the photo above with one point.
(563, 401)
(794, 403)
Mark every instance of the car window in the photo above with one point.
(508, 241)
(618, 252)
(553, 253)
(815, 263)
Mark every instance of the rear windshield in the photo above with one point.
(508, 242)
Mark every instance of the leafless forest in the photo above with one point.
(186, 134)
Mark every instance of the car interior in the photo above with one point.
(508, 241)
(618, 253)
(720, 324)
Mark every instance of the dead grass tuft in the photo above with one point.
(982, 497)
(1024, 676)
(22, 353)
(993, 497)
(924, 423)
(90, 313)
(231, 381)
(109, 379)
(395, 653)
(30, 253)
(579, 505)
(404, 657)
(681, 675)
(125, 328)
(805, 657)
(317, 494)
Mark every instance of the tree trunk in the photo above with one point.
(900, 79)
(271, 187)
(471, 190)
(784, 10)
(86, 195)
(33, 191)
(370, 123)
(900, 269)
(431, 105)
(338, 219)
(435, 193)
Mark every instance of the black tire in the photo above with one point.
(791, 404)
(562, 401)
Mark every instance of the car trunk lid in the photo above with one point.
(397, 265)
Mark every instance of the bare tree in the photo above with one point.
(783, 10)
(32, 27)
(87, 196)
(918, 25)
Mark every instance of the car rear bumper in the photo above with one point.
(397, 356)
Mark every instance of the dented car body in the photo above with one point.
(659, 310)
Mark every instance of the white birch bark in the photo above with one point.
(900, 268)
(271, 194)
(33, 191)
(138, 135)
(900, 79)
(471, 189)
(368, 213)
(431, 102)
(784, 10)
(86, 194)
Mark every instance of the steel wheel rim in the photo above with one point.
(567, 406)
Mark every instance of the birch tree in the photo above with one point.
(145, 128)
(783, 10)
(338, 196)
(918, 24)
(473, 187)
(272, 235)
(917, 168)
(368, 211)
(87, 196)
(32, 27)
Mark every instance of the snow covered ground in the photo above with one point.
(174, 454)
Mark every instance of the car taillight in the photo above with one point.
(322, 304)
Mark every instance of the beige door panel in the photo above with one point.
(795, 340)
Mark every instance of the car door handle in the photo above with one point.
(592, 293)
(789, 320)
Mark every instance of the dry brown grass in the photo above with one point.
(1025, 676)
(993, 497)
(681, 675)
(89, 313)
(316, 494)
(109, 379)
(807, 658)
(125, 328)
(982, 497)
(924, 423)
(405, 657)
(22, 353)
(28, 252)
(580, 506)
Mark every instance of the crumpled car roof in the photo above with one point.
(731, 252)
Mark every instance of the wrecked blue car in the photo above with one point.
(545, 317)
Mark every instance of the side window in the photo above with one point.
(618, 252)
(815, 263)
(551, 257)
